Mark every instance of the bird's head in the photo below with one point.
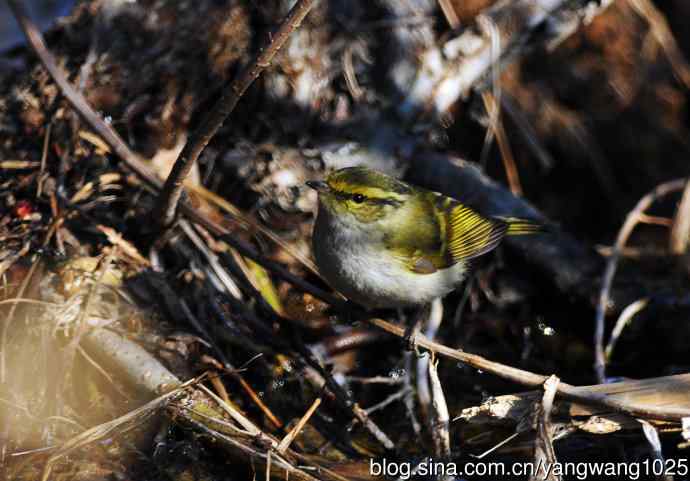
(361, 195)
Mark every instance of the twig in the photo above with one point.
(234, 439)
(544, 454)
(680, 231)
(406, 378)
(246, 423)
(525, 129)
(655, 220)
(489, 28)
(496, 446)
(227, 283)
(399, 394)
(268, 466)
(440, 426)
(652, 435)
(623, 320)
(172, 190)
(659, 28)
(527, 378)
(631, 221)
(103, 372)
(289, 437)
(220, 388)
(449, 12)
(44, 157)
(503, 145)
(259, 402)
(423, 385)
(513, 409)
(372, 427)
(350, 75)
(375, 380)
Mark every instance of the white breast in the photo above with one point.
(352, 261)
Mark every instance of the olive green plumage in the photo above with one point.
(373, 229)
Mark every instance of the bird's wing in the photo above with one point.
(468, 233)
(444, 233)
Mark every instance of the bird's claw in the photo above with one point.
(410, 339)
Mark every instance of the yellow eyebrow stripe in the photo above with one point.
(369, 192)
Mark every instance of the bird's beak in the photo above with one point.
(318, 185)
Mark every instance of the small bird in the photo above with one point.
(387, 244)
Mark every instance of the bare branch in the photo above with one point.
(526, 378)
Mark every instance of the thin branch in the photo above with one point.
(372, 427)
(290, 437)
(544, 454)
(503, 144)
(680, 231)
(440, 432)
(631, 221)
(172, 190)
(651, 433)
(399, 394)
(424, 394)
(525, 129)
(449, 12)
(623, 320)
(661, 31)
(531, 379)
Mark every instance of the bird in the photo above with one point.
(384, 243)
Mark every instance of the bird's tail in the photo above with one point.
(523, 226)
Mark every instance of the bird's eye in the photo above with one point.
(358, 198)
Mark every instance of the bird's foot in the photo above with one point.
(412, 330)
(410, 337)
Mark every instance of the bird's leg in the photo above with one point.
(421, 314)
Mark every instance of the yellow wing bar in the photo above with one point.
(470, 234)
